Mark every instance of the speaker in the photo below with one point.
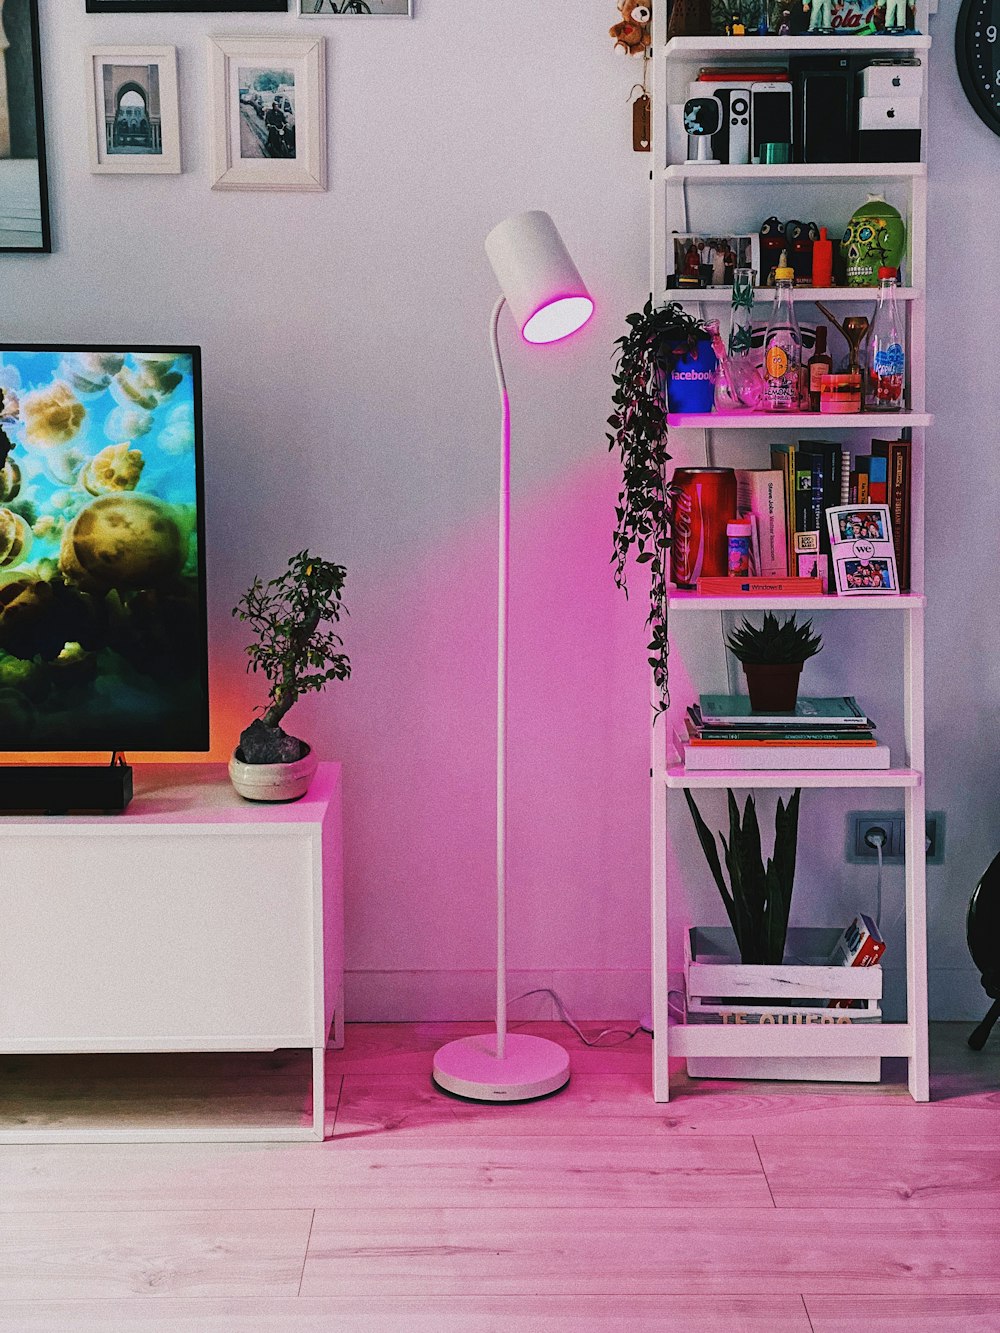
(58, 789)
(826, 121)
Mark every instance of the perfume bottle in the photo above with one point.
(782, 346)
(886, 358)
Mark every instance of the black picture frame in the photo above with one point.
(36, 117)
(187, 6)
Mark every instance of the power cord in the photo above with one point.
(626, 1033)
(876, 838)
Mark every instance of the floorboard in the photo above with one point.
(737, 1206)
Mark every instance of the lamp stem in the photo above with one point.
(503, 600)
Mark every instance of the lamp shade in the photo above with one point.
(539, 280)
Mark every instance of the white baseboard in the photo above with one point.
(455, 996)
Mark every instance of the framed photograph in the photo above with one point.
(187, 6)
(316, 9)
(864, 561)
(709, 261)
(134, 119)
(269, 99)
(24, 194)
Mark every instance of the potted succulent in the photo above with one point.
(772, 657)
(298, 651)
(658, 339)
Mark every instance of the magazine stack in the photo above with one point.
(722, 734)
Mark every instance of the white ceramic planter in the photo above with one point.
(272, 782)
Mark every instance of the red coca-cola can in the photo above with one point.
(703, 501)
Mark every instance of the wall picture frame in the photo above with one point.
(24, 192)
(187, 6)
(133, 108)
(326, 9)
(269, 113)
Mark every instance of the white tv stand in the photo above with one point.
(195, 921)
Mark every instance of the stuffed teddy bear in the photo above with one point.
(632, 34)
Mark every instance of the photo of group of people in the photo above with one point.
(864, 559)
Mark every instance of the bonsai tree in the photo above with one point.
(774, 643)
(296, 649)
(657, 337)
(772, 658)
(757, 897)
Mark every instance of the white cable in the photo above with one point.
(627, 1033)
(878, 888)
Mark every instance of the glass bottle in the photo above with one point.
(782, 346)
(741, 322)
(820, 365)
(886, 357)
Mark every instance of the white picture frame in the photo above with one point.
(133, 110)
(323, 9)
(864, 558)
(246, 70)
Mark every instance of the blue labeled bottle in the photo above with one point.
(886, 355)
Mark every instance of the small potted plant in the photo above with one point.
(298, 651)
(687, 361)
(772, 657)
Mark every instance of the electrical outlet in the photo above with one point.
(860, 824)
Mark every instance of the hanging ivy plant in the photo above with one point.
(655, 340)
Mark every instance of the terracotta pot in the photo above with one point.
(773, 687)
(272, 782)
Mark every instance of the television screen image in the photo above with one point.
(102, 587)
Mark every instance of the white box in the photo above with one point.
(892, 81)
(719, 988)
(889, 113)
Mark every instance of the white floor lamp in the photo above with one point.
(547, 297)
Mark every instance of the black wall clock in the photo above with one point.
(977, 51)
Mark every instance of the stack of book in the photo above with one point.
(722, 734)
(787, 502)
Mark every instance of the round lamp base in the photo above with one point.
(531, 1067)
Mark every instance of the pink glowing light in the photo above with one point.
(558, 319)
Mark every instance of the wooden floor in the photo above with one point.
(737, 1207)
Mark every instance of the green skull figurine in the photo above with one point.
(875, 238)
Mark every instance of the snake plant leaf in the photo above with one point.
(707, 840)
(781, 876)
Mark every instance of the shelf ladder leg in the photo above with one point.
(319, 1092)
(915, 857)
(658, 898)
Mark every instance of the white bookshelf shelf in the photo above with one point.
(697, 48)
(677, 777)
(724, 295)
(726, 173)
(681, 599)
(825, 421)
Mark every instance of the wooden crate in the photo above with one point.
(719, 988)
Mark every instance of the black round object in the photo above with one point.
(977, 53)
(982, 928)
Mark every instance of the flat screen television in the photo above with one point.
(103, 640)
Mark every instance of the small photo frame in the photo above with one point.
(710, 261)
(134, 123)
(269, 99)
(324, 9)
(864, 561)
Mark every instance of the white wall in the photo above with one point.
(350, 407)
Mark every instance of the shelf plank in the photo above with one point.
(723, 295)
(724, 173)
(812, 1039)
(677, 777)
(696, 48)
(825, 421)
(682, 599)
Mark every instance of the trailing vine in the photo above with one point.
(656, 338)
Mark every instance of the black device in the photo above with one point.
(731, 143)
(982, 930)
(59, 789)
(977, 54)
(826, 129)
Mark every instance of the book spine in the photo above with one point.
(900, 457)
(845, 477)
(770, 758)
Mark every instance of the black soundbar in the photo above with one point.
(61, 789)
